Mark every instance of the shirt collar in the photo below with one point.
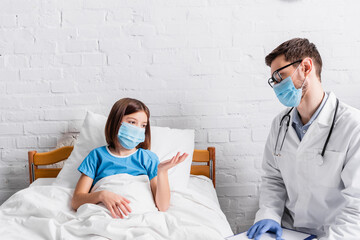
(296, 115)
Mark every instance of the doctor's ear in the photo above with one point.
(307, 65)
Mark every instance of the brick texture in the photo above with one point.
(196, 63)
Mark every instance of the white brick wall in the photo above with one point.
(196, 63)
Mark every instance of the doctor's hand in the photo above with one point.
(175, 160)
(263, 226)
(116, 204)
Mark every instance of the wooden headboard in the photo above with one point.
(203, 162)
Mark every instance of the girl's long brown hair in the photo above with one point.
(122, 107)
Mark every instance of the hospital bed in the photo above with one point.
(203, 163)
(43, 210)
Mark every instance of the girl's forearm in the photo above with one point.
(82, 198)
(162, 197)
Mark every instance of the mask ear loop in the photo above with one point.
(302, 85)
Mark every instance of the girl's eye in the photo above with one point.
(144, 126)
(131, 122)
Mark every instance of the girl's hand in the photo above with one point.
(114, 203)
(167, 164)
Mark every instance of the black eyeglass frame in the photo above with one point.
(273, 78)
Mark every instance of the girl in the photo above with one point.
(127, 133)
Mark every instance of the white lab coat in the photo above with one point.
(310, 193)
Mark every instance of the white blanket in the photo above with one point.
(44, 212)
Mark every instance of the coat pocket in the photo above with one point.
(325, 171)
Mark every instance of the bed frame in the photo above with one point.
(203, 162)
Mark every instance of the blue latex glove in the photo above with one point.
(263, 226)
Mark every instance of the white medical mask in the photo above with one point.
(130, 136)
(286, 92)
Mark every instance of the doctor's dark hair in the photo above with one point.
(122, 107)
(295, 49)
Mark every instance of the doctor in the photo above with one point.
(311, 161)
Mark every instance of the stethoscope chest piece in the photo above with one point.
(319, 160)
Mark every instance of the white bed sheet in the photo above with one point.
(43, 211)
(43, 182)
(201, 184)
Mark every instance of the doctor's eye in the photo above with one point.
(278, 76)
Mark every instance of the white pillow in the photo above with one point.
(92, 135)
(165, 143)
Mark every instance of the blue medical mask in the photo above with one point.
(130, 136)
(287, 93)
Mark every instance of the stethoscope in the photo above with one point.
(287, 117)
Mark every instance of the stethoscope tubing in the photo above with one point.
(287, 115)
(331, 128)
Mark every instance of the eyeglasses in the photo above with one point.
(276, 76)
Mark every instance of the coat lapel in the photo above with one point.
(317, 131)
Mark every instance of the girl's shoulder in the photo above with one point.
(99, 150)
(149, 153)
(96, 154)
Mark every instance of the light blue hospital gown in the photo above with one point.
(102, 163)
